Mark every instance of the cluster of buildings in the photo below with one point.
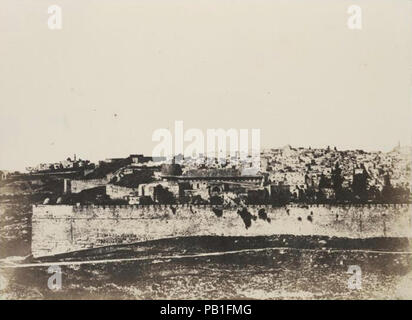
(300, 170)
(278, 176)
(66, 165)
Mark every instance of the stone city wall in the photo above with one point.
(65, 228)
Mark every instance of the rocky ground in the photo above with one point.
(267, 274)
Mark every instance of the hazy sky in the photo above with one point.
(120, 69)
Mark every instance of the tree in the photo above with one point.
(337, 181)
(324, 182)
(387, 191)
(360, 184)
(163, 195)
(320, 196)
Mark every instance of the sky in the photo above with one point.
(120, 69)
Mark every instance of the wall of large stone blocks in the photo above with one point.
(63, 228)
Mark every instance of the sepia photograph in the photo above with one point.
(227, 150)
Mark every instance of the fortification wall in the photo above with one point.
(61, 228)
